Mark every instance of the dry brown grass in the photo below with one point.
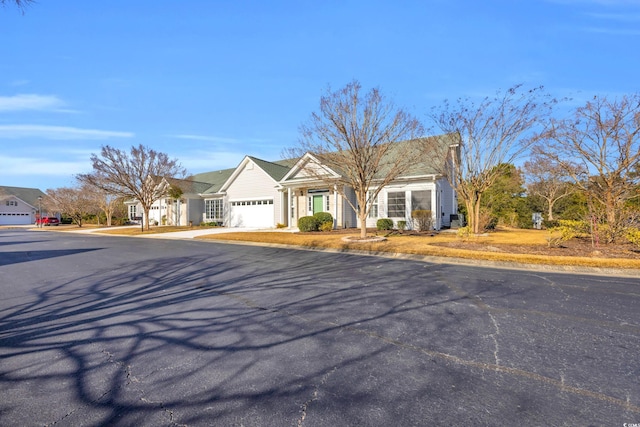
(427, 245)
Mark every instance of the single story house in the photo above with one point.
(262, 194)
(19, 205)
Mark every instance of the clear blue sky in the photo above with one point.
(211, 81)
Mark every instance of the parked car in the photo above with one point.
(48, 220)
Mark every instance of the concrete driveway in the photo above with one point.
(98, 330)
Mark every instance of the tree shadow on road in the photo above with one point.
(218, 340)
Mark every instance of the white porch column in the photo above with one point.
(287, 209)
(335, 206)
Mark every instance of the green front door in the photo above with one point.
(318, 204)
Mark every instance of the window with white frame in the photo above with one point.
(132, 211)
(421, 200)
(396, 204)
(293, 207)
(373, 211)
(213, 209)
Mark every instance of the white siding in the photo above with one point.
(253, 183)
(407, 189)
(13, 211)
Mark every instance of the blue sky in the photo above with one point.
(211, 81)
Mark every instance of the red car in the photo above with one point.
(48, 220)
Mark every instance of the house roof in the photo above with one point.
(189, 186)
(214, 179)
(424, 165)
(301, 164)
(281, 170)
(28, 195)
(276, 170)
(433, 164)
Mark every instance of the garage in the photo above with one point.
(252, 213)
(15, 218)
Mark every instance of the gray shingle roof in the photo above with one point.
(214, 179)
(276, 170)
(212, 182)
(189, 186)
(424, 165)
(29, 195)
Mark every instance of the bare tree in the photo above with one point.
(20, 3)
(494, 131)
(74, 202)
(548, 180)
(105, 201)
(357, 136)
(138, 175)
(603, 140)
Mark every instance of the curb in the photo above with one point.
(559, 269)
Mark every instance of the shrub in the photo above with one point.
(210, 224)
(281, 225)
(323, 218)
(326, 226)
(402, 225)
(423, 219)
(308, 223)
(487, 220)
(567, 230)
(464, 232)
(633, 236)
(384, 224)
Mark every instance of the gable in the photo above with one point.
(308, 168)
(250, 180)
(27, 195)
(426, 165)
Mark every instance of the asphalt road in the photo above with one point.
(99, 330)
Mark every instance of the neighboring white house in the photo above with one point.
(19, 205)
(262, 194)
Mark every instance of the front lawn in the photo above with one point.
(520, 246)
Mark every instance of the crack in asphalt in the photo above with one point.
(169, 412)
(129, 379)
(559, 384)
(495, 338)
(554, 285)
(478, 302)
(132, 379)
(314, 396)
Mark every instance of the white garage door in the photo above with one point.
(15, 218)
(252, 213)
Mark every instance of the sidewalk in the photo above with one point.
(187, 234)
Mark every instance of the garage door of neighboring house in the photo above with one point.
(15, 218)
(252, 213)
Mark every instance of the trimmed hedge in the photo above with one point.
(308, 223)
(384, 224)
(323, 217)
